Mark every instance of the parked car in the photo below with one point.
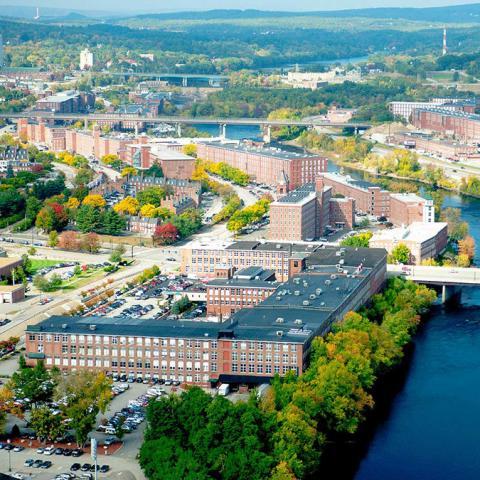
(104, 468)
(75, 467)
(85, 467)
(46, 464)
(28, 462)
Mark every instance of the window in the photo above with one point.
(234, 367)
(243, 367)
(259, 368)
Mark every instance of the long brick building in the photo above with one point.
(463, 126)
(265, 165)
(274, 337)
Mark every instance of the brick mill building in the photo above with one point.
(274, 337)
(398, 208)
(265, 164)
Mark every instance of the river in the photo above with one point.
(427, 421)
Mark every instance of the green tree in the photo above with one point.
(88, 393)
(52, 239)
(152, 196)
(457, 229)
(46, 425)
(34, 383)
(117, 253)
(359, 240)
(88, 219)
(400, 254)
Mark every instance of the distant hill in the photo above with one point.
(469, 13)
(29, 12)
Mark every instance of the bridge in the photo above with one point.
(212, 79)
(449, 278)
(121, 117)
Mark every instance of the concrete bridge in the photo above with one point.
(119, 117)
(450, 279)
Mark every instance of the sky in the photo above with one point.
(142, 6)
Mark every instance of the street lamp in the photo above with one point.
(9, 457)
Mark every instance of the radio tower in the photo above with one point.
(444, 49)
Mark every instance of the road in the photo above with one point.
(454, 170)
(30, 312)
(70, 172)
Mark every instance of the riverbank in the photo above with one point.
(359, 166)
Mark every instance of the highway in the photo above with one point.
(117, 117)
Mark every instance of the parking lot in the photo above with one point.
(122, 464)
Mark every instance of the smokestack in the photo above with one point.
(444, 49)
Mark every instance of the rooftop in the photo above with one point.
(408, 197)
(450, 113)
(60, 97)
(248, 277)
(347, 180)
(266, 151)
(415, 232)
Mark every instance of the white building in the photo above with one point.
(424, 240)
(86, 59)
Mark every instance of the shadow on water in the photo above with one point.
(342, 457)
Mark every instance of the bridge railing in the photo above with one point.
(437, 274)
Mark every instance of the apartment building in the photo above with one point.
(274, 337)
(204, 257)
(306, 212)
(424, 240)
(143, 225)
(398, 208)
(244, 288)
(265, 164)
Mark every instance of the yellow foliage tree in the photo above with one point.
(94, 200)
(148, 210)
(73, 203)
(128, 205)
(190, 149)
(129, 171)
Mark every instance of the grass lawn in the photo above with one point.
(83, 279)
(38, 264)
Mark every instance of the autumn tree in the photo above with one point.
(400, 254)
(94, 200)
(165, 234)
(69, 241)
(46, 425)
(129, 171)
(466, 247)
(90, 242)
(127, 206)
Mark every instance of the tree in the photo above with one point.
(112, 222)
(400, 254)
(47, 284)
(45, 219)
(181, 305)
(94, 200)
(128, 205)
(52, 239)
(154, 171)
(467, 247)
(73, 203)
(129, 171)
(90, 243)
(88, 393)
(117, 253)
(88, 219)
(457, 229)
(148, 210)
(152, 196)
(46, 425)
(166, 234)
(34, 383)
(32, 251)
(190, 149)
(69, 241)
(359, 240)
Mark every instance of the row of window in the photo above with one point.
(259, 357)
(244, 368)
(98, 339)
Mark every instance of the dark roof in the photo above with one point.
(242, 379)
(248, 277)
(300, 309)
(272, 246)
(351, 256)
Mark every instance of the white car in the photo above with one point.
(49, 451)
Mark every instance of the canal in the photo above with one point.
(426, 424)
